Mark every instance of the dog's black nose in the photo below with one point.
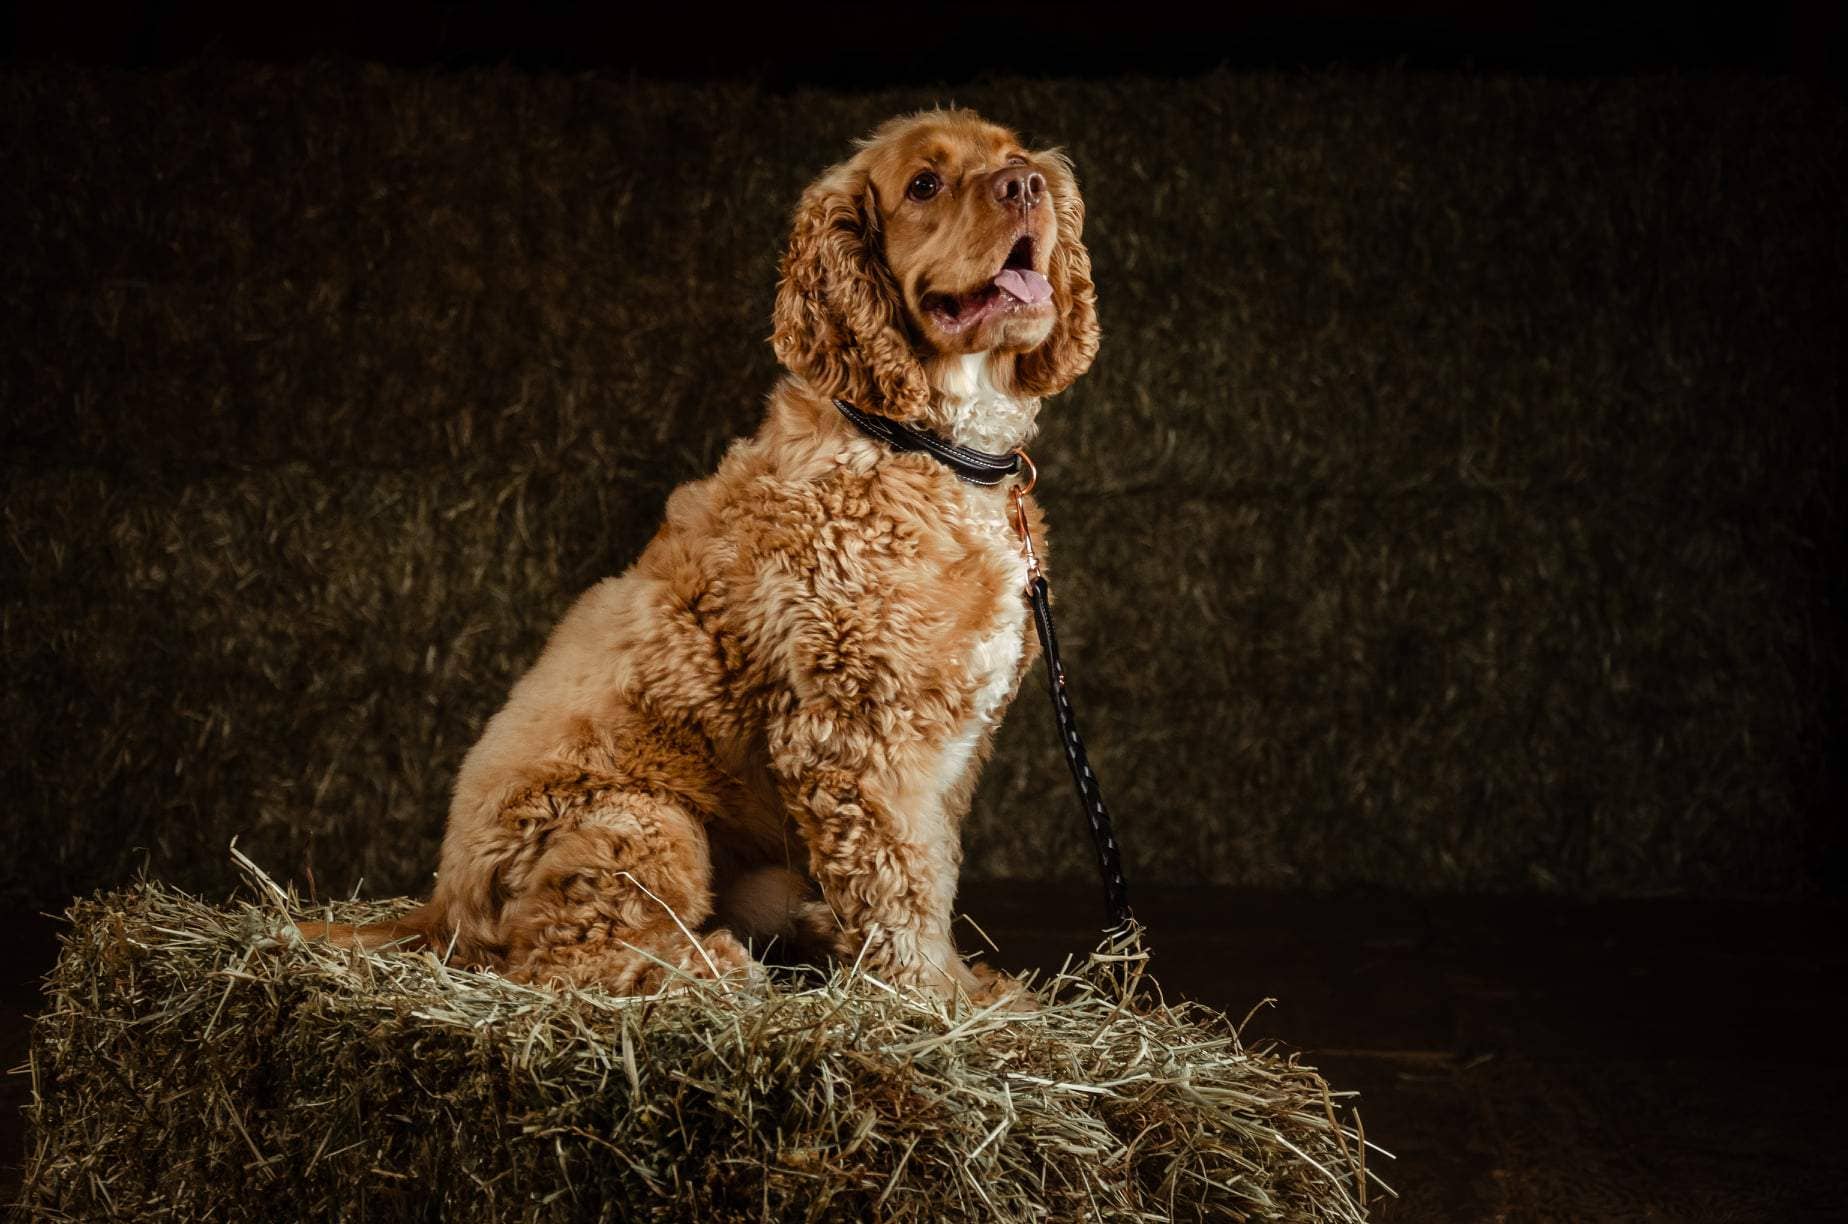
(1018, 187)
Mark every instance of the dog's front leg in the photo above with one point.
(881, 850)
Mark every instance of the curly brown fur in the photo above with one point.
(771, 724)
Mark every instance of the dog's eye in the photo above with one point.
(924, 186)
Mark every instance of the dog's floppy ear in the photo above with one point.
(1067, 352)
(839, 318)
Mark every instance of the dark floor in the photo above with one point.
(1523, 1060)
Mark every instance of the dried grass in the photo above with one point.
(197, 1060)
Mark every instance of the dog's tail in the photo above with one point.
(412, 932)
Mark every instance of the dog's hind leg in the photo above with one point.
(616, 899)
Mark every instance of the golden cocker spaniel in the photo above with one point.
(771, 724)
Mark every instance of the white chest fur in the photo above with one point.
(993, 664)
(977, 413)
(973, 411)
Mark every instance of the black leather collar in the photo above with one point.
(974, 466)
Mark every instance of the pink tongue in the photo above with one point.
(1023, 284)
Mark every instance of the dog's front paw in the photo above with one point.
(730, 959)
(994, 986)
(906, 961)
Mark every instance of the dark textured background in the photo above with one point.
(1452, 507)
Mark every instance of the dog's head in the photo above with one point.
(942, 236)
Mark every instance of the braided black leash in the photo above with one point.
(983, 468)
(1090, 794)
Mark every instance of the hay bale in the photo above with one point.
(195, 1060)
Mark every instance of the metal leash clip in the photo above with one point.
(1017, 497)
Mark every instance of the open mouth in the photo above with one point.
(1015, 287)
